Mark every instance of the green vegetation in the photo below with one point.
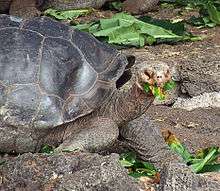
(205, 160)
(124, 29)
(67, 14)
(209, 11)
(115, 5)
(47, 149)
(159, 92)
(137, 168)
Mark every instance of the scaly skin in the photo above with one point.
(24, 8)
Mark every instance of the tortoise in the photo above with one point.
(30, 8)
(58, 87)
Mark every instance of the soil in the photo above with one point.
(197, 129)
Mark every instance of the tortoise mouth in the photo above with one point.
(127, 74)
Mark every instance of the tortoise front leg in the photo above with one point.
(24, 8)
(89, 134)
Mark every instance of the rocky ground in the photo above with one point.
(192, 113)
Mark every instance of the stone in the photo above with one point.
(65, 171)
(198, 76)
(179, 177)
(206, 100)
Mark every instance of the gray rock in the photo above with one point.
(65, 171)
(105, 177)
(202, 101)
(179, 177)
(198, 76)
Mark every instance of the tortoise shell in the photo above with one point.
(51, 74)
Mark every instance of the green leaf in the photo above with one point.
(147, 87)
(84, 27)
(67, 14)
(150, 40)
(124, 29)
(169, 85)
(208, 8)
(210, 168)
(137, 168)
(129, 156)
(201, 22)
(136, 174)
(202, 153)
(126, 163)
(198, 167)
(158, 94)
(204, 160)
(47, 149)
(214, 14)
(176, 146)
(149, 166)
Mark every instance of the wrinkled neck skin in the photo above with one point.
(126, 105)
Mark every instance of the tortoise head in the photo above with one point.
(158, 73)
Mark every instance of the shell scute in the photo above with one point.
(19, 56)
(48, 27)
(97, 54)
(9, 21)
(21, 105)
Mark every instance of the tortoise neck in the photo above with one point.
(127, 105)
